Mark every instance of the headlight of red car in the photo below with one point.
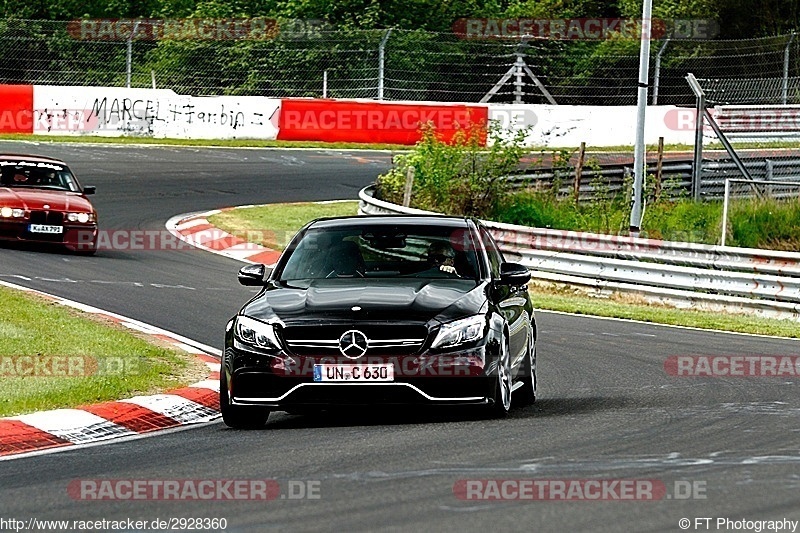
(8, 212)
(83, 218)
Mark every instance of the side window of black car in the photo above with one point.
(495, 258)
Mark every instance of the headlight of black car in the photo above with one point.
(255, 334)
(460, 332)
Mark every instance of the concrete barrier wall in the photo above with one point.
(161, 113)
(373, 121)
(565, 126)
(115, 111)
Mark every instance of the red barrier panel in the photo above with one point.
(372, 122)
(16, 108)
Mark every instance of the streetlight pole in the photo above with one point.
(637, 209)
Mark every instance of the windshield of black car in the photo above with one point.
(24, 174)
(383, 251)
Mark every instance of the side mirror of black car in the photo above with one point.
(253, 275)
(514, 274)
(89, 189)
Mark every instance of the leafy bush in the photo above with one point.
(462, 176)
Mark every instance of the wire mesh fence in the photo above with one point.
(402, 65)
(749, 132)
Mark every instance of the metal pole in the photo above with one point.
(128, 56)
(518, 84)
(409, 186)
(659, 169)
(697, 166)
(725, 211)
(637, 210)
(576, 187)
(786, 52)
(381, 62)
(657, 71)
(324, 83)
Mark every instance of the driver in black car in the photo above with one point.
(441, 258)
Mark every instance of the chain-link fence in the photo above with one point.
(746, 150)
(402, 65)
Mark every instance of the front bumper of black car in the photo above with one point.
(283, 381)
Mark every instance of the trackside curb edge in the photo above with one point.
(62, 428)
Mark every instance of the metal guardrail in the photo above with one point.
(676, 175)
(764, 281)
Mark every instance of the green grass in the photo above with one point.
(556, 297)
(766, 224)
(546, 296)
(108, 361)
(274, 225)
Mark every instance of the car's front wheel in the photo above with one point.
(237, 416)
(501, 398)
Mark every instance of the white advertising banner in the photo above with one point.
(564, 126)
(156, 113)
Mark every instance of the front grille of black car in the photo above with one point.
(384, 339)
(52, 218)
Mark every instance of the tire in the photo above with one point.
(84, 250)
(236, 416)
(501, 397)
(527, 392)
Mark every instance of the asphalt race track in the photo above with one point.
(723, 447)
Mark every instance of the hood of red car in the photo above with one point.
(36, 199)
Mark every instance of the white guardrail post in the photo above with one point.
(766, 282)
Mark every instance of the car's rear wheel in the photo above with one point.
(501, 399)
(527, 392)
(237, 416)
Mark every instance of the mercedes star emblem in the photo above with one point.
(353, 344)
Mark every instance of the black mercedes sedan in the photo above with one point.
(379, 310)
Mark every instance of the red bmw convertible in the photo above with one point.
(42, 201)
